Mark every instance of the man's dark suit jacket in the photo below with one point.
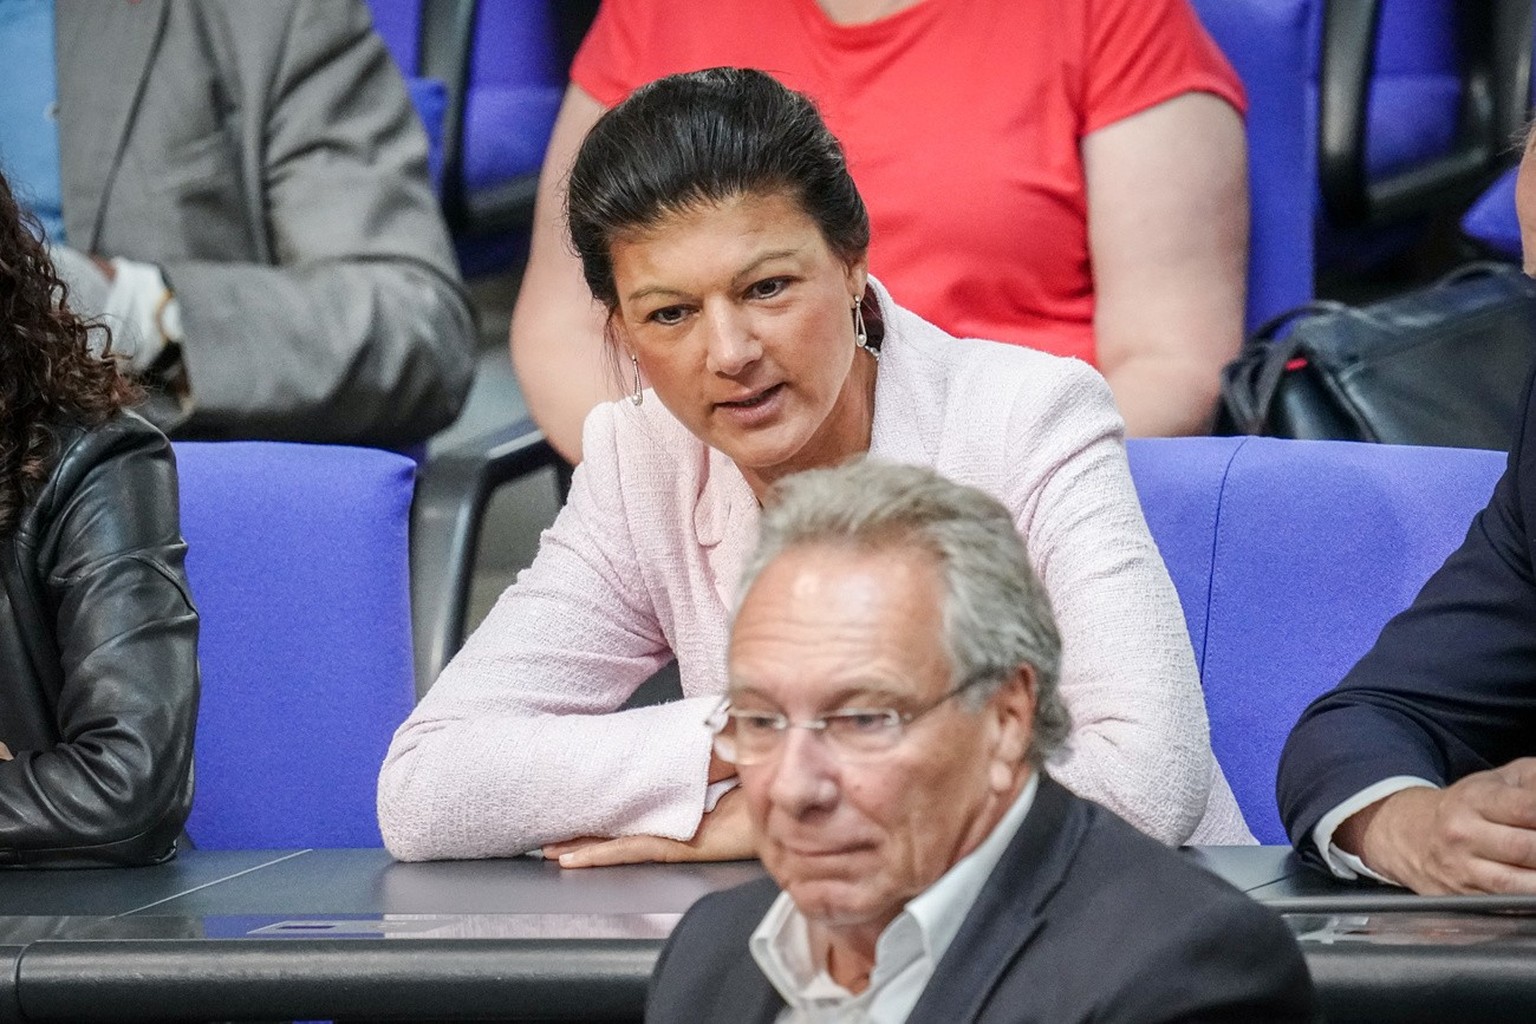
(1450, 686)
(1084, 919)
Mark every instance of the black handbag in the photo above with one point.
(1443, 365)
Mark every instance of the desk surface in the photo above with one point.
(339, 933)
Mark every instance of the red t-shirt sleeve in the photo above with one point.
(610, 64)
(1142, 52)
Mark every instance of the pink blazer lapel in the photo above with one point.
(725, 522)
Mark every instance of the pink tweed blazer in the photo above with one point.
(519, 742)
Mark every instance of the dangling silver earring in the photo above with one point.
(860, 333)
(639, 393)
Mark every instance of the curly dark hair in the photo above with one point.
(49, 377)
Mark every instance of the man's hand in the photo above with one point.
(5, 752)
(127, 295)
(1477, 836)
(724, 834)
(88, 281)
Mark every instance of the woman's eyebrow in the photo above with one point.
(654, 289)
(767, 257)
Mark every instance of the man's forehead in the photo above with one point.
(838, 619)
(832, 586)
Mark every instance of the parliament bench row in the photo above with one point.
(1288, 557)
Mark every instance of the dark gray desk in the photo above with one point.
(340, 933)
(349, 934)
(1378, 953)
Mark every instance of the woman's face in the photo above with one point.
(740, 316)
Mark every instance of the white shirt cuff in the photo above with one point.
(133, 309)
(1346, 865)
(717, 790)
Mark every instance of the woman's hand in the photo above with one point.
(719, 769)
(724, 834)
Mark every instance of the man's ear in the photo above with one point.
(1014, 706)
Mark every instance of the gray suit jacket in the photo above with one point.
(266, 157)
(1084, 919)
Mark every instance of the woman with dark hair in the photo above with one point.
(98, 636)
(1068, 175)
(717, 223)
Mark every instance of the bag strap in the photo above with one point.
(1479, 268)
(1271, 328)
(1249, 383)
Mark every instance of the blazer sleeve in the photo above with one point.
(117, 786)
(1232, 962)
(1447, 688)
(706, 972)
(361, 332)
(1140, 743)
(519, 743)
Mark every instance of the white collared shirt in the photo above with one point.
(906, 953)
(1342, 863)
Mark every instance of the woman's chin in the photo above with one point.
(759, 452)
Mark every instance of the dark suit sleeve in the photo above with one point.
(706, 972)
(1447, 688)
(116, 788)
(361, 332)
(662, 996)
(1234, 962)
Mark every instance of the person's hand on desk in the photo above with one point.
(1476, 836)
(725, 833)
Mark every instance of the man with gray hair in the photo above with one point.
(891, 706)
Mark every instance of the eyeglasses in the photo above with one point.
(852, 734)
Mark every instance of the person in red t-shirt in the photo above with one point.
(1064, 174)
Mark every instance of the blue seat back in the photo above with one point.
(398, 23)
(515, 88)
(1415, 102)
(1289, 557)
(1492, 220)
(1272, 44)
(297, 556)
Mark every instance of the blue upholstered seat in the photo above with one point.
(1415, 99)
(1491, 220)
(515, 87)
(1289, 557)
(298, 560)
(1272, 45)
(398, 23)
(1418, 101)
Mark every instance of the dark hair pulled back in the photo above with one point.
(49, 377)
(701, 138)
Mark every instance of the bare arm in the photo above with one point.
(557, 327)
(1168, 237)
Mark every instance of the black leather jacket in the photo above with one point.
(98, 657)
